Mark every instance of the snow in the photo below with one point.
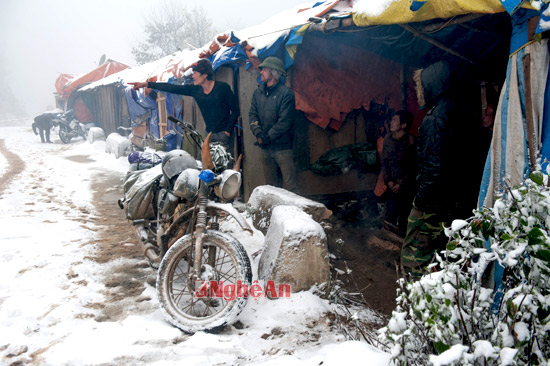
(507, 356)
(458, 224)
(117, 144)
(371, 7)
(544, 23)
(398, 322)
(522, 331)
(484, 349)
(262, 35)
(452, 355)
(259, 36)
(297, 224)
(52, 290)
(162, 68)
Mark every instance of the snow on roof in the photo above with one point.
(371, 7)
(163, 69)
(258, 37)
(265, 34)
(109, 67)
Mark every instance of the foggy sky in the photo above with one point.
(42, 38)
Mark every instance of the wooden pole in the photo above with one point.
(531, 134)
(163, 118)
(435, 43)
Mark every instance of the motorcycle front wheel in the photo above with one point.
(64, 134)
(225, 272)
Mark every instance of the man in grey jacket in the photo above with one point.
(271, 121)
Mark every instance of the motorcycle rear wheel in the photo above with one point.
(82, 133)
(182, 303)
(64, 134)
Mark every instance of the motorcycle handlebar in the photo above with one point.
(180, 123)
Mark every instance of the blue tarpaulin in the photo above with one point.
(136, 108)
(508, 159)
(512, 6)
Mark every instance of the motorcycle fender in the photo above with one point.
(229, 209)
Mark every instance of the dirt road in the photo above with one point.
(15, 166)
(372, 265)
(113, 235)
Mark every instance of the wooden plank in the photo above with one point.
(163, 118)
(225, 74)
(253, 172)
(531, 135)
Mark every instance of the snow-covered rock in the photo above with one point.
(264, 199)
(96, 134)
(117, 144)
(295, 250)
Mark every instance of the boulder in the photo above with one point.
(117, 144)
(264, 199)
(96, 134)
(295, 251)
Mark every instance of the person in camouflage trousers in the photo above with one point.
(425, 235)
(441, 152)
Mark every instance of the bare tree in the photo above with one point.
(170, 27)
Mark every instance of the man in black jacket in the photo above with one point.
(271, 121)
(217, 103)
(44, 123)
(440, 155)
(398, 168)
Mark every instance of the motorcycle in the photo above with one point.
(69, 127)
(181, 205)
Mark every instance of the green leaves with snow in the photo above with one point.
(455, 305)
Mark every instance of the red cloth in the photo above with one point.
(327, 86)
(61, 81)
(108, 68)
(81, 111)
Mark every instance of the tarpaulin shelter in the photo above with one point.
(343, 57)
(117, 105)
(476, 35)
(66, 85)
(61, 81)
(522, 125)
(107, 68)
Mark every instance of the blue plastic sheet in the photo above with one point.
(545, 135)
(416, 5)
(519, 30)
(229, 56)
(512, 6)
(172, 141)
(135, 109)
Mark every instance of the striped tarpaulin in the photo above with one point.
(508, 158)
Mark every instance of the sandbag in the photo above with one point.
(341, 159)
(139, 192)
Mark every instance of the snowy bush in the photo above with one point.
(451, 316)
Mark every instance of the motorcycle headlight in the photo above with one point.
(187, 184)
(229, 186)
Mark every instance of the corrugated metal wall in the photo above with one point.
(108, 105)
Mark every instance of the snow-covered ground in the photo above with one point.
(54, 291)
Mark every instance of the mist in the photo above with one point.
(42, 39)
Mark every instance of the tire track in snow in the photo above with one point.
(15, 166)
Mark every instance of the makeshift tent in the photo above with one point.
(332, 38)
(66, 85)
(106, 69)
(521, 124)
(61, 81)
